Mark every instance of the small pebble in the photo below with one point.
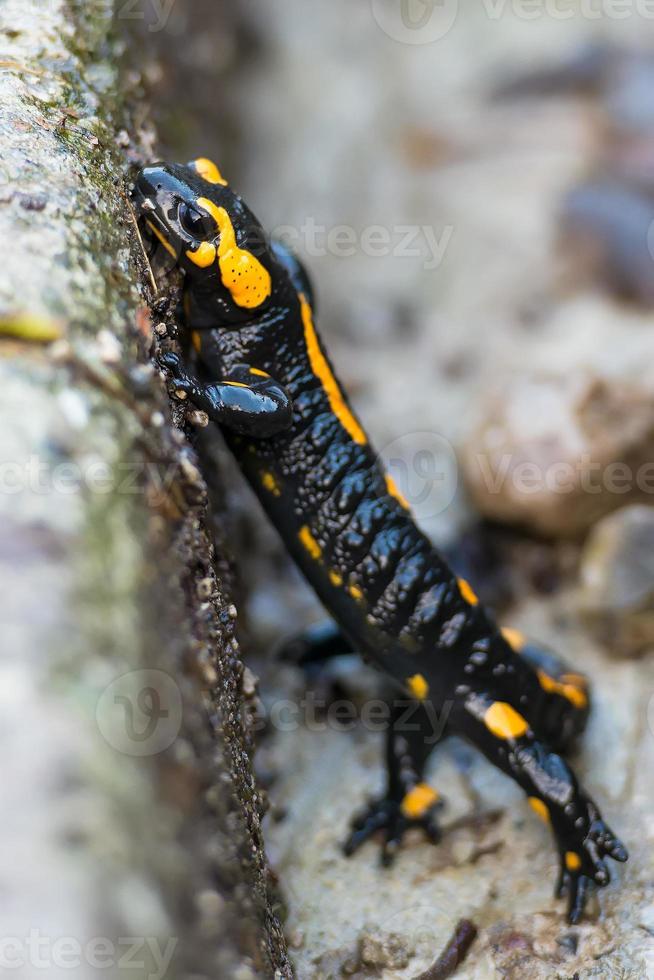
(33, 202)
(250, 682)
(204, 588)
(569, 941)
(199, 418)
(109, 347)
(190, 471)
(210, 904)
(61, 351)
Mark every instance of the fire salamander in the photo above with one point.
(261, 372)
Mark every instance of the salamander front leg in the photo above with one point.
(408, 801)
(583, 840)
(248, 402)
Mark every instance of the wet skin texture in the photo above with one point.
(260, 371)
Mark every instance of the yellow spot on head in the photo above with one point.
(209, 170)
(418, 801)
(204, 256)
(466, 592)
(310, 543)
(242, 274)
(539, 808)
(503, 721)
(572, 861)
(162, 238)
(234, 384)
(418, 686)
(260, 374)
(355, 592)
(573, 694)
(514, 638)
(322, 370)
(270, 483)
(335, 578)
(394, 491)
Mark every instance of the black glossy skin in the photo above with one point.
(391, 594)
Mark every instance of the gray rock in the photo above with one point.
(617, 579)
(554, 453)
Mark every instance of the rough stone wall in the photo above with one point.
(129, 805)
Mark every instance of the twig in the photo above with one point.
(143, 249)
(454, 953)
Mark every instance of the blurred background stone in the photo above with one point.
(555, 453)
(617, 580)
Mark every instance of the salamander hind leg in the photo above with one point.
(559, 703)
(315, 645)
(499, 730)
(408, 801)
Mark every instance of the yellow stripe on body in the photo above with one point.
(467, 592)
(539, 808)
(323, 372)
(270, 483)
(418, 686)
(573, 694)
(514, 638)
(309, 542)
(395, 491)
(504, 722)
(418, 801)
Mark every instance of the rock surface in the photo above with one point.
(124, 814)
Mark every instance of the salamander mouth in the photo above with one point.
(159, 250)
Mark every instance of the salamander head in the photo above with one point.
(190, 212)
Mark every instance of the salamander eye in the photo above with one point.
(196, 223)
